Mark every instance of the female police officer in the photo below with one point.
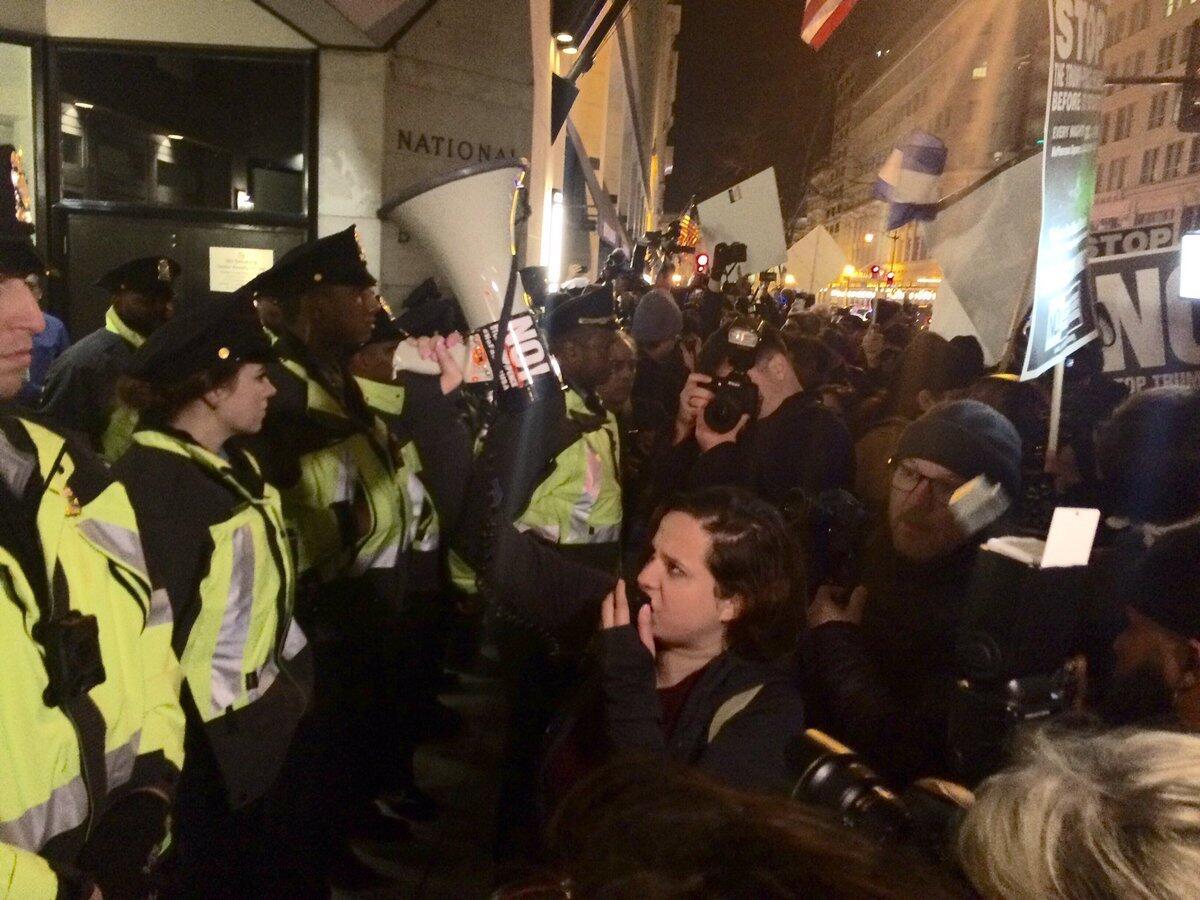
(215, 539)
(89, 711)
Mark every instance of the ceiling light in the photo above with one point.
(565, 37)
(174, 137)
(570, 50)
(79, 104)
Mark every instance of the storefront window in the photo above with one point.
(17, 125)
(183, 129)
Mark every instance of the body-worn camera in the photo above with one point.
(74, 664)
(735, 395)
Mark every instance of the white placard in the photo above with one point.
(748, 213)
(231, 267)
(1072, 533)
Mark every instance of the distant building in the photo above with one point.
(975, 76)
(1149, 173)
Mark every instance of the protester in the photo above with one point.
(1088, 815)
(880, 662)
(662, 368)
(1156, 681)
(644, 828)
(210, 525)
(699, 672)
(928, 371)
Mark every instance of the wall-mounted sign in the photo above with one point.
(231, 267)
(451, 147)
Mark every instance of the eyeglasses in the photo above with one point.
(907, 478)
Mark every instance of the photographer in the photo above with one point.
(880, 664)
(784, 440)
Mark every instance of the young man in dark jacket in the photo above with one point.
(880, 668)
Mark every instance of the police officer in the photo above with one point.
(575, 507)
(80, 393)
(89, 708)
(333, 462)
(215, 539)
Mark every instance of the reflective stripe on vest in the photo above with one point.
(120, 542)
(96, 549)
(122, 420)
(67, 806)
(579, 502)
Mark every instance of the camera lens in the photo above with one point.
(723, 412)
(834, 778)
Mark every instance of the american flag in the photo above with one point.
(689, 228)
(821, 17)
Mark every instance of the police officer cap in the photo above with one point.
(221, 329)
(336, 259)
(566, 312)
(146, 275)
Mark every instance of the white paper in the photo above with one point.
(1072, 533)
(748, 213)
(231, 267)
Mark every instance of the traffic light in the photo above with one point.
(702, 263)
(891, 278)
(1189, 98)
(875, 270)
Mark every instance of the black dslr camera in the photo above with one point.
(833, 777)
(735, 394)
(725, 256)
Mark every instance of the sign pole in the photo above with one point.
(1056, 399)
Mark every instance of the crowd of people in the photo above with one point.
(241, 555)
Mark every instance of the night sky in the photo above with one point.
(751, 94)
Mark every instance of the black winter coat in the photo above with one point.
(735, 723)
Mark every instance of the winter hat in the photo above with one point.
(1166, 588)
(656, 319)
(969, 438)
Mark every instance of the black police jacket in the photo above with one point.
(80, 391)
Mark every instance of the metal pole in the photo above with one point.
(1056, 399)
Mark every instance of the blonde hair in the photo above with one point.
(1084, 815)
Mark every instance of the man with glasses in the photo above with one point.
(880, 659)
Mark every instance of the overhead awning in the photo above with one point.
(366, 24)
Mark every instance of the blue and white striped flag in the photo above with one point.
(908, 180)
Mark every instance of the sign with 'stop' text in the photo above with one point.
(1062, 320)
(1157, 332)
(1121, 241)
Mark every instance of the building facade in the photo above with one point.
(974, 75)
(1149, 172)
(223, 132)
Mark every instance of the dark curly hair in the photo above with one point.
(754, 557)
